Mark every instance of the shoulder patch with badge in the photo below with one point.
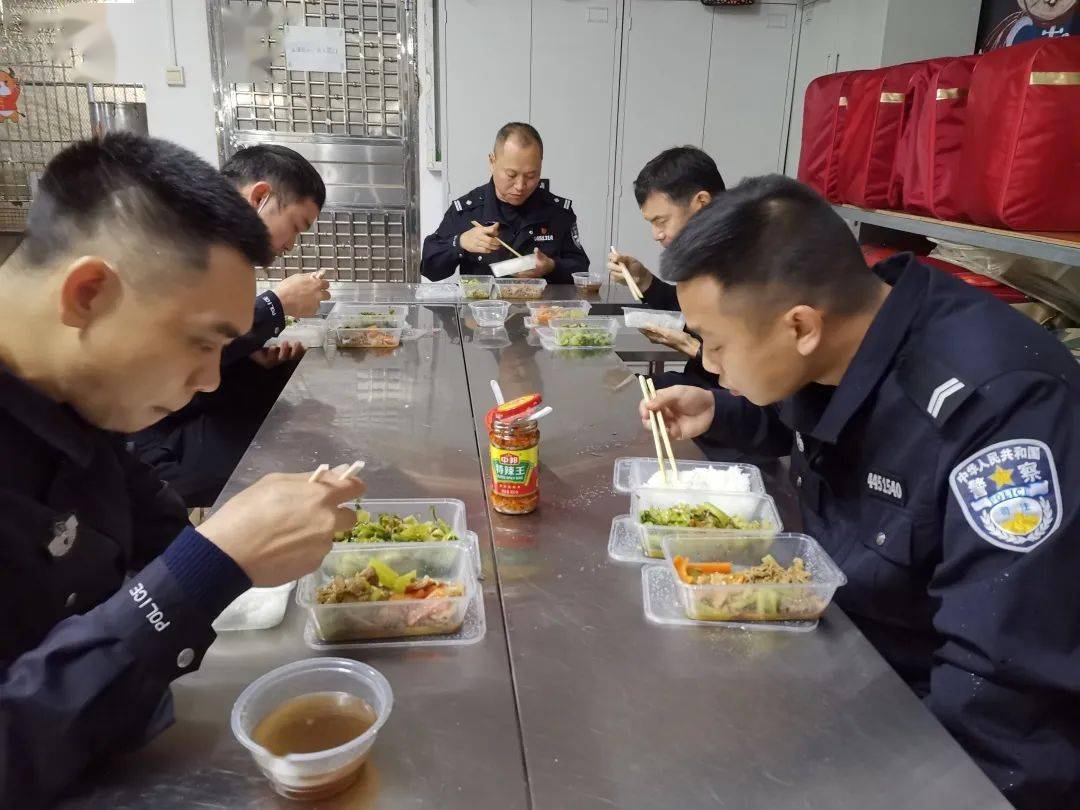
(1008, 493)
(574, 235)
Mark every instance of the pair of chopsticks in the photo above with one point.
(659, 428)
(629, 279)
(354, 468)
(500, 241)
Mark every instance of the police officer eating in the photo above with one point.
(934, 438)
(514, 209)
(136, 270)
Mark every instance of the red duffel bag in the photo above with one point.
(875, 113)
(1021, 154)
(907, 157)
(824, 111)
(932, 164)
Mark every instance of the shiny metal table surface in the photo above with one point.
(616, 712)
(453, 739)
(373, 292)
(593, 707)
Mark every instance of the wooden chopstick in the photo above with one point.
(500, 241)
(655, 432)
(635, 290)
(354, 468)
(315, 476)
(664, 433)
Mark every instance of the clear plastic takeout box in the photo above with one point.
(586, 282)
(438, 291)
(758, 601)
(750, 506)
(320, 773)
(631, 473)
(372, 337)
(520, 289)
(489, 314)
(308, 332)
(255, 609)
(587, 332)
(352, 621)
(362, 316)
(637, 318)
(450, 510)
(476, 288)
(541, 313)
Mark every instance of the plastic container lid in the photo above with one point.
(638, 318)
(311, 775)
(255, 609)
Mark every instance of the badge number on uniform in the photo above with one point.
(1009, 493)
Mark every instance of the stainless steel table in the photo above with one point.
(594, 707)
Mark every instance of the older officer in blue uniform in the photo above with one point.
(516, 207)
(934, 436)
(135, 271)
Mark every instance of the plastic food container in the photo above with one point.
(587, 283)
(542, 313)
(476, 288)
(631, 473)
(255, 609)
(663, 319)
(449, 509)
(748, 506)
(321, 773)
(362, 316)
(489, 314)
(352, 621)
(755, 602)
(511, 267)
(588, 332)
(369, 338)
(517, 289)
(310, 332)
(438, 291)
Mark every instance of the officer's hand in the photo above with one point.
(688, 411)
(672, 338)
(276, 355)
(640, 273)
(544, 265)
(301, 294)
(481, 239)
(282, 527)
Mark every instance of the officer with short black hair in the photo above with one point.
(516, 207)
(934, 436)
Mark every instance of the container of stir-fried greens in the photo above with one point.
(406, 520)
(664, 512)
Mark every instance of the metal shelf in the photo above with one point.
(1058, 247)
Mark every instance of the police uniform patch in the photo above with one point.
(574, 235)
(1009, 493)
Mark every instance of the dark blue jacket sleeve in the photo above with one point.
(1006, 682)
(442, 254)
(571, 256)
(740, 424)
(661, 295)
(99, 682)
(268, 323)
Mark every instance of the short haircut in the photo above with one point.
(155, 200)
(775, 234)
(289, 172)
(524, 134)
(680, 172)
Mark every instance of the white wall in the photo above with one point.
(141, 36)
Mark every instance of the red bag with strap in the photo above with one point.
(875, 114)
(824, 110)
(932, 167)
(906, 153)
(1021, 155)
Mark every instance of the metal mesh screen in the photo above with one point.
(363, 102)
(350, 245)
(53, 112)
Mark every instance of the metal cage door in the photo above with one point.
(358, 127)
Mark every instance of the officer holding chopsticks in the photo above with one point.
(515, 209)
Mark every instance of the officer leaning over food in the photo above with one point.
(135, 271)
(934, 436)
(515, 207)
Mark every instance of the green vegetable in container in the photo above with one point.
(391, 528)
(700, 516)
(583, 335)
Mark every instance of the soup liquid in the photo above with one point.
(314, 722)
